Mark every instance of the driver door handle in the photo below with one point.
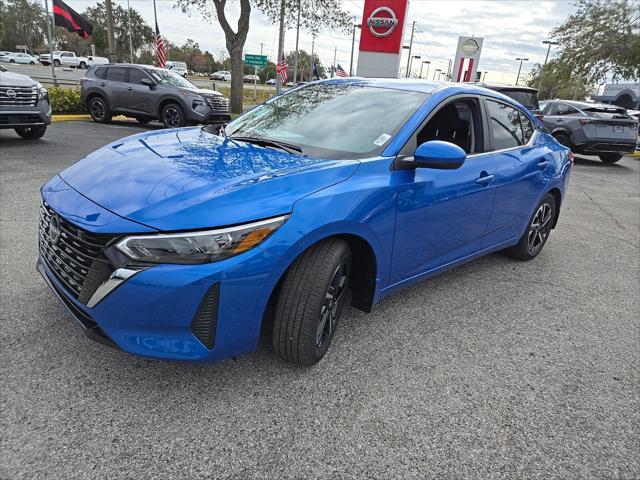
(129, 89)
(485, 179)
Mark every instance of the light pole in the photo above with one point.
(435, 72)
(548, 42)
(422, 65)
(353, 44)
(413, 27)
(520, 67)
(417, 57)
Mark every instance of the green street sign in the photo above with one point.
(255, 60)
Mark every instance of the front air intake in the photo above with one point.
(205, 321)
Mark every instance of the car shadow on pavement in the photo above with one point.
(596, 163)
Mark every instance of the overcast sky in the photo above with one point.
(510, 29)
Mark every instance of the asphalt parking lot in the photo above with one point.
(497, 369)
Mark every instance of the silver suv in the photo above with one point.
(149, 93)
(24, 105)
(591, 128)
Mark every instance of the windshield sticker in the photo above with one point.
(382, 139)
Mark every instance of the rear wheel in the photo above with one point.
(310, 302)
(172, 116)
(534, 239)
(563, 139)
(610, 157)
(99, 110)
(31, 133)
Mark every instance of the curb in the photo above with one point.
(85, 117)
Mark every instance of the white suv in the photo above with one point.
(222, 75)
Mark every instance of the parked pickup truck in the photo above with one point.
(70, 59)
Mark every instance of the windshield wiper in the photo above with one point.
(266, 142)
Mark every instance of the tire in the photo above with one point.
(563, 139)
(83, 65)
(538, 230)
(610, 157)
(99, 110)
(56, 63)
(172, 116)
(310, 302)
(12, 60)
(32, 63)
(31, 133)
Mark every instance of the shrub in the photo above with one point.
(65, 100)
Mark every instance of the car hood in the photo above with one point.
(188, 179)
(10, 79)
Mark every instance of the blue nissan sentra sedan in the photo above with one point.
(184, 244)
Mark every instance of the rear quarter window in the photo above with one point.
(101, 73)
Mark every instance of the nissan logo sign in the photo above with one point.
(54, 230)
(11, 93)
(387, 24)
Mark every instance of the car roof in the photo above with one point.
(423, 86)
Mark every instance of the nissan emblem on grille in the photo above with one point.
(11, 93)
(54, 230)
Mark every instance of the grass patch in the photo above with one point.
(247, 94)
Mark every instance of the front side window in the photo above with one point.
(136, 75)
(331, 120)
(505, 125)
(457, 123)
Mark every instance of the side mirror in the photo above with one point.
(148, 82)
(439, 154)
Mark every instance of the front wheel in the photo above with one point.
(308, 308)
(172, 116)
(83, 65)
(12, 61)
(537, 234)
(610, 157)
(56, 63)
(32, 63)
(31, 133)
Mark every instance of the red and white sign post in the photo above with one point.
(381, 38)
(465, 65)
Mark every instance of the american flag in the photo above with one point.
(340, 72)
(162, 59)
(281, 70)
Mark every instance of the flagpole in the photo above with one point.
(155, 17)
(129, 22)
(313, 42)
(295, 63)
(333, 68)
(280, 45)
(53, 70)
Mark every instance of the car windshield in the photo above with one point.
(329, 120)
(170, 78)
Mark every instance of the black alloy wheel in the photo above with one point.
(331, 306)
(172, 116)
(99, 110)
(537, 234)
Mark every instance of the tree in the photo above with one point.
(558, 80)
(304, 64)
(22, 22)
(601, 38)
(142, 34)
(314, 14)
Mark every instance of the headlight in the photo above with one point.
(42, 92)
(199, 247)
(198, 102)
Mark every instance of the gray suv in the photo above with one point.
(149, 93)
(24, 105)
(591, 128)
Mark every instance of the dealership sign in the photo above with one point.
(465, 65)
(381, 38)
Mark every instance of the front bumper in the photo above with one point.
(12, 117)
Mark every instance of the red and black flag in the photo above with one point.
(66, 17)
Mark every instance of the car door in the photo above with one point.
(116, 87)
(67, 58)
(442, 215)
(522, 169)
(140, 96)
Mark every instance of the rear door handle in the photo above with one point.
(129, 89)
(485, 179)
(543, 164)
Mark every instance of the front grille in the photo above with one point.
(219, 103)
(76, 258)
(18, 96)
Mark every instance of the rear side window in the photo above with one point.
(101, 73)
(505, 125)
(117, 74)
(527, 127)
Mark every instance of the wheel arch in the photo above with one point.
(363, 276)
(165, 101)
(557, 196)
